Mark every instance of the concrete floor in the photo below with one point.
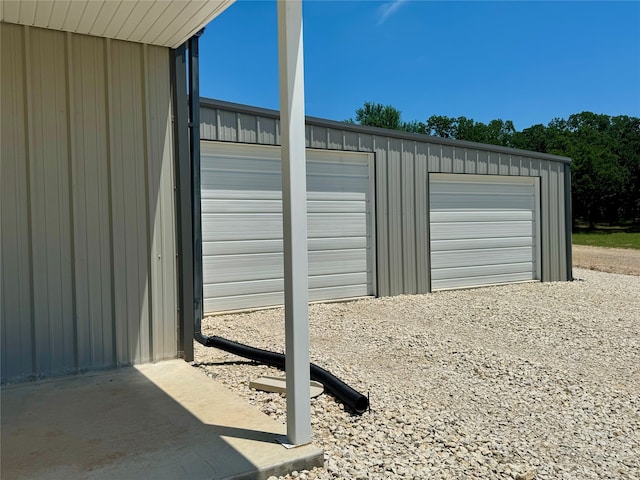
(160, 421)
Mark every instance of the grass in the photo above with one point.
(616, 236)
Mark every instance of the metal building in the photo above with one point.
(100, 210)
(434, 213)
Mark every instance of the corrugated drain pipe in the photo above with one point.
(351, 398)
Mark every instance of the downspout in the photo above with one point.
(357, 402)
(196, 187)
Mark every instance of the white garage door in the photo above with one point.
(242, 225)
(484, 230)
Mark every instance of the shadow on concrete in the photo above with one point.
(160, 421)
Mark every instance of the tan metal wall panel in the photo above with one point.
(247, 128)
(421, 185)
(48, 134)
(87, 204)
(209, 123)
(319, 137)
(335, 139)
(90, 201)
(130, 258)
(409, 264)
(402, 224)
(16, 306)
(381, 149)
(266, 130)
(227, 126)
(394, 208)
(160, 207)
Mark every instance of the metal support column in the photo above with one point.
(183, 201)
(294, 203)
(196, 193)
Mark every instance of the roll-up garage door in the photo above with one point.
(242, 225)
(484, 230)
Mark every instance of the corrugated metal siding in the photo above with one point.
(402, 166)
(88, 249)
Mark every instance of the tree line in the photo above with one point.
(605, 152)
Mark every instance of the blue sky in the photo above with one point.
(523, 61)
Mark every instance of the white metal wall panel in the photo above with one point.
(88, 250)
(242, 226)
(483, 230)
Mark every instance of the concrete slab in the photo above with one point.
(160, 421)
(279, 385)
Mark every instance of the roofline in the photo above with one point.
(420, 137)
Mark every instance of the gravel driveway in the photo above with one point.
(615, 260)
(534, 380)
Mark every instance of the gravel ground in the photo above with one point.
(616, 260)
(535, 380)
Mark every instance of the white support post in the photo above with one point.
(294, 205)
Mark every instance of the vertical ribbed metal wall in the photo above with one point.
(403, 162)
(88, 236)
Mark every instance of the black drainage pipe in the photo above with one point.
(357, 402)
(353, 399)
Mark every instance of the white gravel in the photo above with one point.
(536, 380)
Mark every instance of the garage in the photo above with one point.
(484, 230)
(448, 213)
(242, 225)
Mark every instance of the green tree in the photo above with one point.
(605, 151)
(379, 115)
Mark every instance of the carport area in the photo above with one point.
(163, 421)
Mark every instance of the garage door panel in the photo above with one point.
(242, 225)
(241, 205)
(337, 261)
(275, 246)
(484, 280)
(240, 166)
(248, 267)
(330, 184)
(221, 227)
(259, 300)
(246, 181)
(479, 215)
(488, 256)
(327, 225)
(483, 230)
(265, 205)
(240, 194)
(237, 268)
(484, 186)
(267, 226)
(452, 201)
(275, 285)
(478, 243)
(338, 171)
(241, 302)
(455, 231)
(482, 270)
(231, 289)
(336, 206)
(347, 291)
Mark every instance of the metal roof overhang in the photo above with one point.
(167, 23)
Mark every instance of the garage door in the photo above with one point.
(483, 229)
(242, 226)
